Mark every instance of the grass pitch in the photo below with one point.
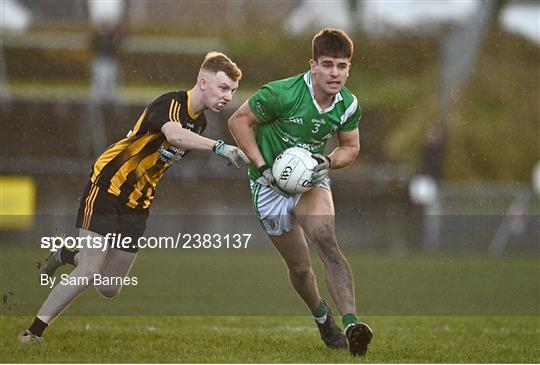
(273, 340)
(238, 306)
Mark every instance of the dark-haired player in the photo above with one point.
(306, 110)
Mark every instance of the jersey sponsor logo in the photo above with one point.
(171, 155)
(311, 144)
(287, 138)
(178, 150)
(296, 120)
(312, 147)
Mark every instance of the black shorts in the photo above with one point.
(102, 212)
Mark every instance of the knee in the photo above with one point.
(109, 291)
(299, 268)
(87, 269)
(85, 272)
(324, 235)
(328, 249)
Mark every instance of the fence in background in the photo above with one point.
(373, 210)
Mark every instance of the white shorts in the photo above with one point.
(273, 209)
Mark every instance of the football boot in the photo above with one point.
(331, 334)
(359, 336)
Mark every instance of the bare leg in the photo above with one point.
(90, 262)
(118, 263)
(315, 212)
(293, 249)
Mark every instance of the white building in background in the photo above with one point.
(319, 14)
(379, 17)
(523, 19)
(14, 17)
(110, 11)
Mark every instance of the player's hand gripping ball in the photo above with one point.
(293, 170)
(320, 172)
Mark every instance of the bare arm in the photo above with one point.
(186, 139)
(183, 138)
(240, 125)
(347, 149)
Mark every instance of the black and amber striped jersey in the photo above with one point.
(131, 168)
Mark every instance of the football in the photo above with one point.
(292, 170)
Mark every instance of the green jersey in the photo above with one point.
(290, 116)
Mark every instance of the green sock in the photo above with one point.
(349, 318)
(320, 311)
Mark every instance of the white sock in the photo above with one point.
(91, 260)
(349, 326)
(321, 320)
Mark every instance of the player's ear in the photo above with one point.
(312, 64)
(203, 83)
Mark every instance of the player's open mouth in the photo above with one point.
(221, 105)
(334, 83)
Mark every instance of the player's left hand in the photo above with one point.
(231, 153)
(320, 172)
(268, 177)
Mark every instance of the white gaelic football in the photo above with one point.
(292, 170)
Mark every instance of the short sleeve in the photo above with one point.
(161, 111)
(265, 103)
(353, 115)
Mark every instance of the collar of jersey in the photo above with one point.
(337, 97)
(190, 112)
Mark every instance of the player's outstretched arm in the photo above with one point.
(240, 125)
(186, 139)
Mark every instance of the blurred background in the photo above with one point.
(449, 134)
(438, 215)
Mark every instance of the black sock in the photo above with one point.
(38, 327)
(67, 256)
